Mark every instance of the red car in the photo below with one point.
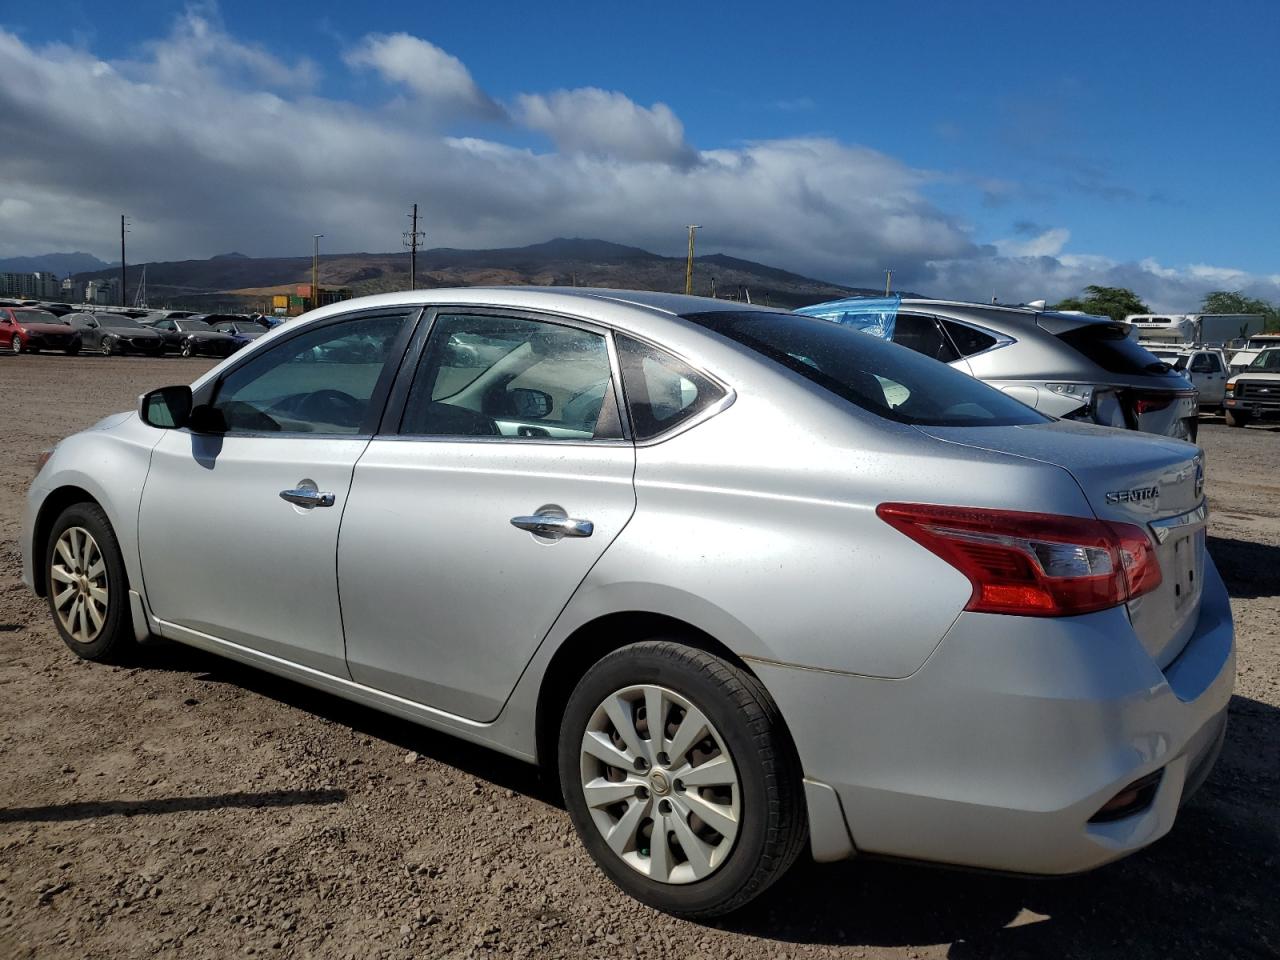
(23, 330)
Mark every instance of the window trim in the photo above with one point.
(208, 392)
(711, 410)
(393, 412)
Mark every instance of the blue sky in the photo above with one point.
(1096, 135)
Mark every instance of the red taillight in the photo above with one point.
(1149, 403)
(1033, 564)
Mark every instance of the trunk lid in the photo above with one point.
(1129, 477)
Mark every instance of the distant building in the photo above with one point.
(288, 304)
(30, 286)
(101, 291)
(73, 290)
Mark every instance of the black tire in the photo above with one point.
(108, 346)
(1237, 418)
(773, 824)
(115, 642)
(15, 344)
(188, 349)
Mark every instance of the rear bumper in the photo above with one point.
(1000, 749)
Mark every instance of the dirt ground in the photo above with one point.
(192, 807)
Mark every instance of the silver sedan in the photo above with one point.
(747, 583)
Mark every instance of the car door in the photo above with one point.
(7, 329)
(90, 332)
(487, 498)
(238, 524)
(168, 329)
(1209, 378)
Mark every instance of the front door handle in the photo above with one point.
(547, 525)
(307, 497)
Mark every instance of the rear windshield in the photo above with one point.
(1108, 345)
(888, 380)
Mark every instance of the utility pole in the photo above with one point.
(713, 288)
(888, 281)
(315, 270)
(688, 268)
(122, 270)
(411, 241)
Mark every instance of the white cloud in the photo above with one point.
(212, 145)
(433, 75)
(1047, 244)
(605, 123)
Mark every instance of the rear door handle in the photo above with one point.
(544, 525)
(307, 497)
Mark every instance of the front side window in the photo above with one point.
(868, 372)
(492, 376)
(662, 391)
(321, 381)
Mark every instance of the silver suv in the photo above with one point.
(1068, 365)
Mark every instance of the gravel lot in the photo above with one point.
(198, 808)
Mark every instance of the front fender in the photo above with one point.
(109, 462)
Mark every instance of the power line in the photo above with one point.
(411, 239)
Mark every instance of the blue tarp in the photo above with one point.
(873, 315)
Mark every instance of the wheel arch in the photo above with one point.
(592, 641)
(52, 507)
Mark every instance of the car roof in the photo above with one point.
(562, 298)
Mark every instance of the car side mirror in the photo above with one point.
(529, 404)
(168, 408)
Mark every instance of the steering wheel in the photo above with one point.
(330, 404)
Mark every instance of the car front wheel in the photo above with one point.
(1237, 418)
(15, 344)
(680, 778)
(87, 585)
(108, 346)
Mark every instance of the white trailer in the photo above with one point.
(1196, 328)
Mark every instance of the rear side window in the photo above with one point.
(968, 340)
(1108, 345)
(662, 391)
(35, 316)
(868, 372)
(924, 336)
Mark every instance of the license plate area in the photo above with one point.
(1188, 565)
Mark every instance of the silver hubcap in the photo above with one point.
(78, 580)
(660, 784)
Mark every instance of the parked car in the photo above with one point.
(245, 331)
(24, 330)
(691, 556)
(1255, 391)
(1206, 368)
(195, 338)
(110, 333)
(1249, 349)
(1068, 365)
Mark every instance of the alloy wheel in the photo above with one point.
(78, 579)
(15, 344)
(660, 784)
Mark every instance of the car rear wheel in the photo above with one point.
(1237, 418)
(87, 586)
(680, 778)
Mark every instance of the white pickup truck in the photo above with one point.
(1255, 391)
(1205, 367)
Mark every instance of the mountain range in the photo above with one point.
(236, 282)
(60, 263)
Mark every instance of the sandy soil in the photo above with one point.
(195, 808)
